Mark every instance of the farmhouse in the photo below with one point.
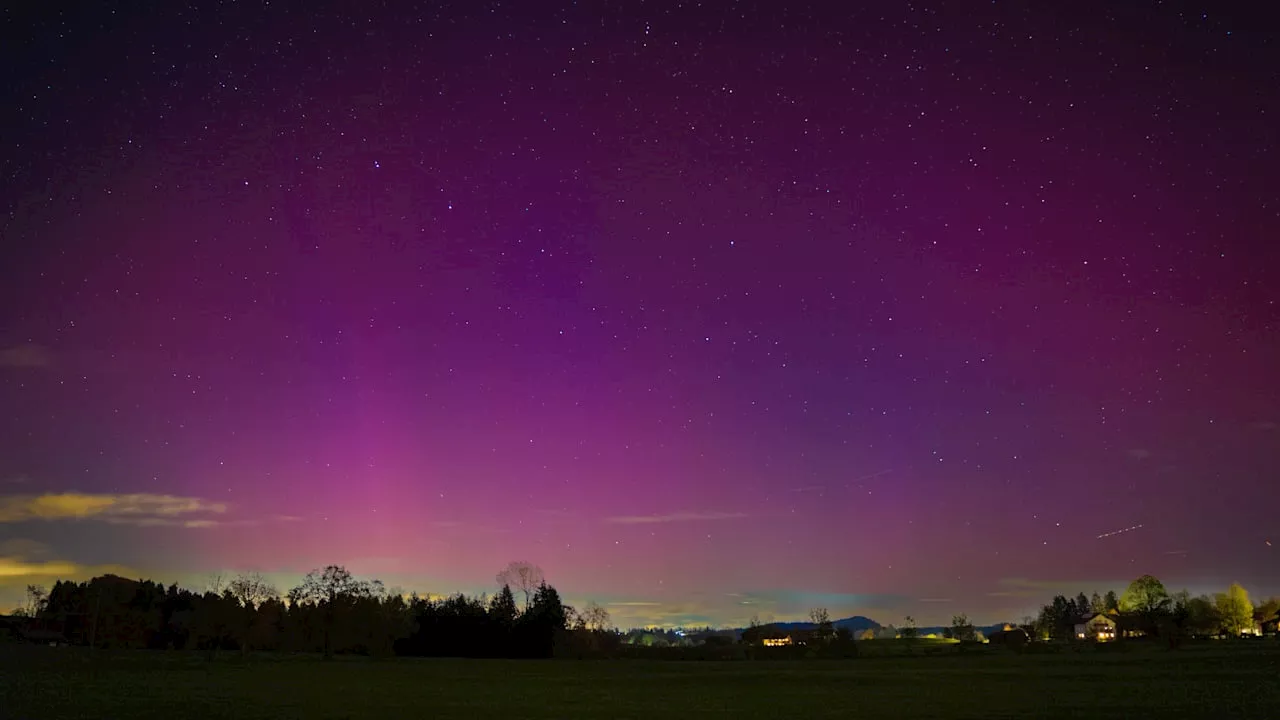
(1099, 627)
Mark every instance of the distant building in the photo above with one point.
(1272, 626)
(773, 636)
(1010, 635)
(1099, 628)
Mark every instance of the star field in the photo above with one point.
(711, 312)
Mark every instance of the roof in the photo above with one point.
(1086, 619)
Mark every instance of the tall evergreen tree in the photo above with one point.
(502, 608)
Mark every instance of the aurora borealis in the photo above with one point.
(711, 312)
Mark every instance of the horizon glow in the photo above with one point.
(905, 313)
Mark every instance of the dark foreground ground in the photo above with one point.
(1219, 680)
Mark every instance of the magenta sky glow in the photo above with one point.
(710, 314)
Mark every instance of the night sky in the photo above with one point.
(711, 312)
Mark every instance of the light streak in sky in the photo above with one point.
(1120, 531)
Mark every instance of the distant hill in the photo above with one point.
(855, 624)
(858, 623)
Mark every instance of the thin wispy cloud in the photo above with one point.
(24, 561)
(26, 355)
(675, 517)
(143, 509)
(871, 476)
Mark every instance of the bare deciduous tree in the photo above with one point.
(523, 577)
(251, 589)
(821, 619)
(329, 588)
(37, 599)
(594, 617)
(217, 583)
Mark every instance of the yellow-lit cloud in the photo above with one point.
(129, 509)
(15, 567)
(29, 562)
(674, 517)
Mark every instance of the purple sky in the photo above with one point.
(710, 314)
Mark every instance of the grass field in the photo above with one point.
(1236, 680)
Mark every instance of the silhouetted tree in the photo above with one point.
(823, 630)
(1267, 611)
(753, 634)
(1096, 604)
(1057, 618)
(1083, 605)
(595, 617)
(1110, 602)
(37, 598)
(1201, 616)
(214, 619)
(250, 590)
(540, 625)
(909, 629)
(962, 629)
(523, 577)
(502, 608)
(332, 591)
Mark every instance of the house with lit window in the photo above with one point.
(1272, 626)
(1098, 628)
(775, 636)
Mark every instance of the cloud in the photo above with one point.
(11, 567)
(1266, 426)
(1139, 453)
(27, 355)
(673, 517)
(141, 509)
(28, 562)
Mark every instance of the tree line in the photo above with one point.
(331, 611)
(1146, 607)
